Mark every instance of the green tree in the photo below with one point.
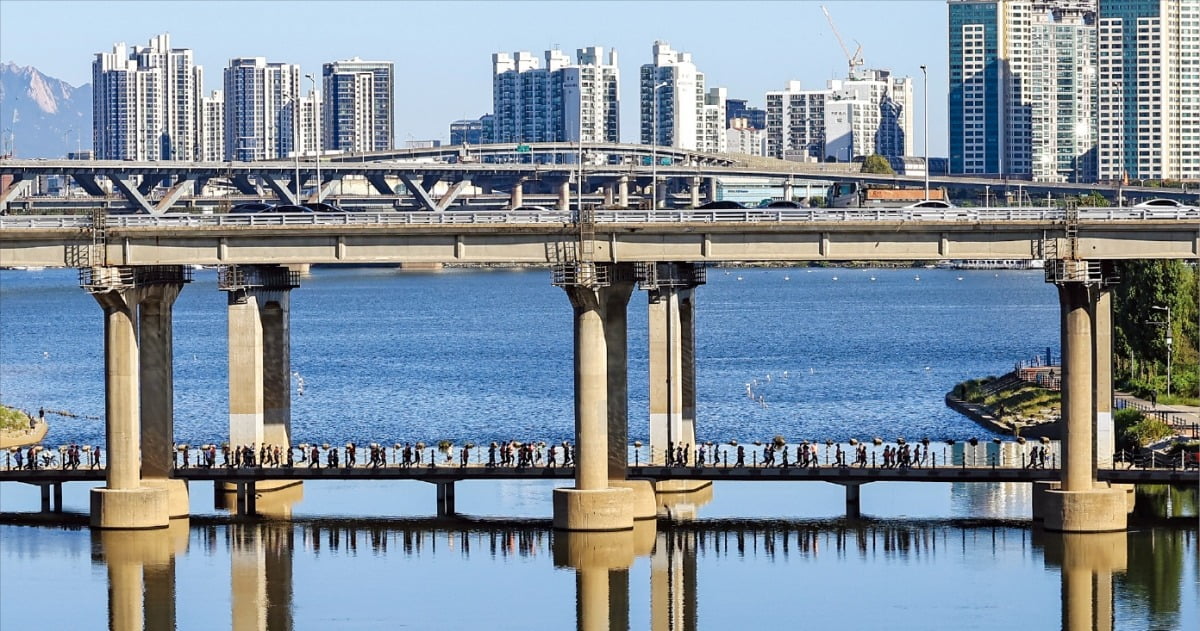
(1094, 200)
(1139, 331)
(876, 163)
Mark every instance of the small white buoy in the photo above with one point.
(916, 278)
(787, 278)
(960, 278)
(872, 279)
(45, 354)
(835, 278)
(739, 278)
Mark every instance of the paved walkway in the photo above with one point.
(1185, 419)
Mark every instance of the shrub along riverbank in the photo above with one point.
(1009, 404)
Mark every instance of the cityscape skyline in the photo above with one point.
(429, 96)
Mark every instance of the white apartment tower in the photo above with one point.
(559, 102)
(1149, 89)
(144, 103)
(357, 108)
(211, 124)
(590, 103)
(673, 101)
(868, 113)
(1060, 90)
(258, 97)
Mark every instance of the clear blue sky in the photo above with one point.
(443, 50)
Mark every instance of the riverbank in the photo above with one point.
(1009, 405)
(18, 429)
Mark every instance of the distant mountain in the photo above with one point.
(40, 116)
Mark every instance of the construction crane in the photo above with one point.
(851, 60)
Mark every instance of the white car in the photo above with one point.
(931, 203)
(1160, 202)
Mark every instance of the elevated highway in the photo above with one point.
(532, 237)
(434, 179)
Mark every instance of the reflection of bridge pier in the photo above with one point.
(601, 561)
(673, 582)
(1088, 561)
(141, 574)
(261, 576)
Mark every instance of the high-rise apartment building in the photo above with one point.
(211, 125)
(868, 113)
(1149, 89)
(739, 108)
(676, 111)
(1022, 88)
(258, 99)
(357, 107)
(466, 132)
(144, 103)
(561, 102)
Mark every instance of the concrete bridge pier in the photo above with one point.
(672, 348)
(711, 190)
(608, 195)
(1080, 504)
(124, 502)
(853, 497)
(445, 498)
(601, 561)
(261, 577)
(1106, 441)
(694, 190)
(48, 491)
(156, 363)
(623, 191)
(673, 582)
(518, 195)
(591, 505)
(1088, 562)
(260, 397)
(564, 195)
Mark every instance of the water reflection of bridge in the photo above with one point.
(142, 573)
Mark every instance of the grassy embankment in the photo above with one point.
(1017, 405)
(12, 419)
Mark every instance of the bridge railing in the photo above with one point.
(725, 216)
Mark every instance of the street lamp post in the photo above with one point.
(654, 145)
(316, 130)
(297, 119)
(1169, 341)
(925, 74)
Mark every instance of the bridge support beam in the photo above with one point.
(1080, 504)
(671, 337)
(592, 504)
(282, 191)
(124, 503)
(16, 188)
(259, 354)
(419, 192)
(157, 400)
(445, 498)
(518, 195)
(1106, 442)
(564, 195)
(853, 500)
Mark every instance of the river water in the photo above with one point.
(485, 355)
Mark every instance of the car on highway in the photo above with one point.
(252, 207)
(323, 207)
(1160, 202)
(931, 203)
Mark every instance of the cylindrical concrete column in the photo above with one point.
(121, 394)
(666, 380)
(694, 191)
(687, 367)
(788, 190)
(157, 380)
(518, 195)
(1106, 443)
(1076, 386)
(564, 196)
(591, 400)
(615, 301)
(623, 191)
(608, 195)
(712, 189)
(277, 371)
(245, 370)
